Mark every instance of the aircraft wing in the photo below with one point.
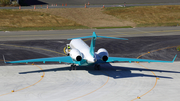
(116, 59)
(66, 59)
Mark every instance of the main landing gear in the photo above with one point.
(73, 67)
(97, 67)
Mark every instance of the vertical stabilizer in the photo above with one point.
(93, 41)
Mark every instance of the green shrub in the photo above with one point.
(5, 2)
(178, 48)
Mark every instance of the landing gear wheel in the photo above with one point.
(97, 67)
(73, 67)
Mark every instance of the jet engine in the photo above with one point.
(103, 54)
(76, 54)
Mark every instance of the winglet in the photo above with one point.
(174, 58)
(4, 59)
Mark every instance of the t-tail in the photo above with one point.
(93, 41)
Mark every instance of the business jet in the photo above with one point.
(79, 53)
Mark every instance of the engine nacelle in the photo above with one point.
(76, 54)
(103, 54)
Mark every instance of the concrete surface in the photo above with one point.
(123, 82)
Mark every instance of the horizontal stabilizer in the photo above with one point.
(96, 36)
(112, 37)
(81, 37)
(93, 41)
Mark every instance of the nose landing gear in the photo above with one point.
(97, 67)
(73, 67)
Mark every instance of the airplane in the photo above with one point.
(79, 53)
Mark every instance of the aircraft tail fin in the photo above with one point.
(93, 40)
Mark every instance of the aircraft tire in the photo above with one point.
(97, 67)
(73, 67)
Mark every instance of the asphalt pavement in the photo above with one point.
(65, 34)
(140, 41)
(95, 2)
(59, 5)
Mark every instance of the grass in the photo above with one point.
(91, 17)
(30, 20)
(178, 48)
(147, 16)
(99, 18)
(112, 27)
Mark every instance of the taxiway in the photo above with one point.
(118, 81)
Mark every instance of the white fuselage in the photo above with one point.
(84, 49)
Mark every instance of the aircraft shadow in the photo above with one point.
(126, 72)
(115, 72)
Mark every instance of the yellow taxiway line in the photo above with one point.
(96, 89)
(90, 92)
(151, 71)
(27, 86)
